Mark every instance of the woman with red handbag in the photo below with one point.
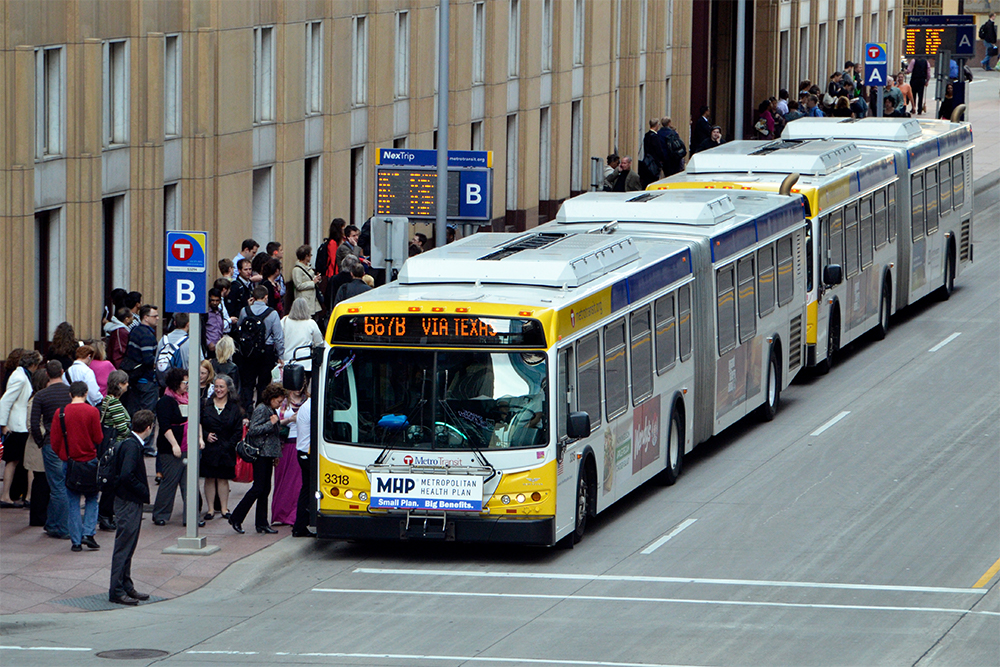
(221, 428)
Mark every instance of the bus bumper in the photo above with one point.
(510, 530)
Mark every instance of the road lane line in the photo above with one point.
(449, 658)
(668, 580)
(945, 341)
(985, 579)
(830, 423)
(616, 598)
(43, 648)
(666, 538)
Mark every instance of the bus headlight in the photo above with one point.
(348, 494)
(520, 497)
(505, 499)
(362, 496)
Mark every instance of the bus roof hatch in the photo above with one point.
(814, 157)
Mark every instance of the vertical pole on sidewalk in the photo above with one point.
(441, 214)
(741, 64)
(879, 107)
(194, 420)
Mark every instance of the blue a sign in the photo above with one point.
(965, 41)
(876, 64)
(186, 272)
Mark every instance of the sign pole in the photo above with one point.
(441, 213)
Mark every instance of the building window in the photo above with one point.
(312, 209)
(578, 44)
(667, 96)
(804, 56)
(576, 146)
(50, 272)
(512, 162)
(478, 143)
(783, 61)
(478, 41)
(890, 34)
(873, 35)
(668, 25)
(48, 102)
(821, 51)
(402, 55)
(360, 69)
(514, 39)
(172, 85)
(841, 55)
(544, 152)
(858, 41)
(116, 243)
(171, 207)
(115, 93)
(547, 35)
(314, 67)
(263, 74)
(358, 180)
(263, 204)
(643, 19)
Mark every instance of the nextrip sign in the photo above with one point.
(406, 184)
(186, 276)
(441, 493)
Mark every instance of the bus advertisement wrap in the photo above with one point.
(452, 493)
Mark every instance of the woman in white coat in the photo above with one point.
(300, 330)
(14, 421)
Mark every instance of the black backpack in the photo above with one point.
(251, 336)
(676, 146)
(323, 257)
(108, 465)
(982, 32)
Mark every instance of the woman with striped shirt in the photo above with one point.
(113, 415)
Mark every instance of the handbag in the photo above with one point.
(246, 451)
(81, 476)
(244, 472)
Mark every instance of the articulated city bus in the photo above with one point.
(510, 386)
(852, 203)
(934, 162)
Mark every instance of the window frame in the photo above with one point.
(727, 338)
(931, 211)
(685, 323)
(359, 61)
(116, 93)
(789, 263)
(881, 229)
(944, 200)
(958, 184)
(314, 68)
(746, 321)
(612, 365)
(852, 255)
(50, 102)
(866, 227)
(917, 225)
(590, 365)
(401, 71)
(766, 280)
(641, 362)
(890, 204)
(665, 333)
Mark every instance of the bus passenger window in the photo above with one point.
(765, 280)
(892, 212)
(958, 182)
(786, 277)
(932, 201)
(745, 296)
(835, 251)
(666, 325)
(851, 240)
(726, 308)
(867, 233)
(564, 371)
(917, 205)
(881, 233)
(615, 373)
(588, 379)
(684, 322)
(945, 191)
(642, 356)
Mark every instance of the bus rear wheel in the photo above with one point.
(675, 451)
(832, 344)
(882, 328)
(948, 286)
(773, 389)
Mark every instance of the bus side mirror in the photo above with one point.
(833, 274)
(578, 425)
(293, 377)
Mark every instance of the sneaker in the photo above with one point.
(90, 542)
(76, 547)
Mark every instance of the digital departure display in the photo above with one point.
(413, 192)
(434, 329)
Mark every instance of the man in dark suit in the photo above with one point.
(701, 128)
(131, 492)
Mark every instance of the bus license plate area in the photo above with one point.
(426, 492)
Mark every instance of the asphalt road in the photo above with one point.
(855, 529)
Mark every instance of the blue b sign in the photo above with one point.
(186, 274)
(474, 197)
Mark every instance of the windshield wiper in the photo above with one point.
(476, 450)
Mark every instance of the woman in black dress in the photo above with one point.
(221, 428)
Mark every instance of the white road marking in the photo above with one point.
(945, 341)
(669, 580)
(615, 598)
(450, 658)
(666, 538)
(43, 648)
(830, 423)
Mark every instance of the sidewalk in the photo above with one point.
(984, 113)
(39, 574)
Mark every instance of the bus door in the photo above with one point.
(339, 388)
(577, 366)
(833, 253)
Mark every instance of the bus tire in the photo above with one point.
(948, 284)
(675, 450)
(882, 328)
(832, 342)
(772, 391)
(584, 499)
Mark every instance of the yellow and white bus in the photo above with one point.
(934, 161)
(510, 386)
(851, 251)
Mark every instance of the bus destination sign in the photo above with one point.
(435, 329)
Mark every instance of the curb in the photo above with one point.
(984, 183)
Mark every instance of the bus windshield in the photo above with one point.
(448, 399)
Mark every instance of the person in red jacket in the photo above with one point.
(76, 433)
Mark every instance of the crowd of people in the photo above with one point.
(128, 393)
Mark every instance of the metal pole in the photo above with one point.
(741, 62)
(441, 217)
(878, 105)
(194, 419)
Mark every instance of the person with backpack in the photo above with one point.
(918, 81)
(140, 364)
(172, 351)
(672, 147)
(260, 344)
(115, 422)
(131, 492)
(326, 259)
(988, 33)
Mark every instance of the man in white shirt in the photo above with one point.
(303, 419)
(80, 372)
(247, 251)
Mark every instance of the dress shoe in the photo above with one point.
(303, 533)
(201, 523)
(266, 529)
(76, 547)
(227, 515)
(107, 524)
(57, 536)
(159, 522)
(208, 516)
(125, 600)
(238, 527)
(136, 595)
(90, 542)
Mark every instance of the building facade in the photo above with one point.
(124, 119)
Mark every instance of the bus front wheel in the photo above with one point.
(582, 506)
(882, 328)
(773, 389)
(675, 450)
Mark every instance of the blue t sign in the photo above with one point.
(185, 282)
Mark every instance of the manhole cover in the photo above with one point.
(133, 654)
